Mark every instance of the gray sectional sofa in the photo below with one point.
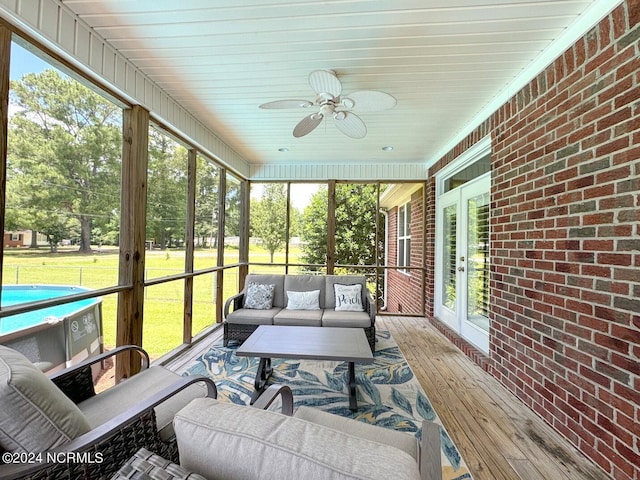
(336, 301)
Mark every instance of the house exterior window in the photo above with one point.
(404, 236)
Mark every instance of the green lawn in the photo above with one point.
(163, 307)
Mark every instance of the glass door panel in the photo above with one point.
(449, 292)
(478, 261)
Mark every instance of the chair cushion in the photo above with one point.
(250, 316)
(331, 318)
(404, 441)
(35, 415)
(310, 318)
(221, 440)
(128, 393)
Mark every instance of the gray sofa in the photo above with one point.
(242, 317)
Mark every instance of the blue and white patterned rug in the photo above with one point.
(389, 395)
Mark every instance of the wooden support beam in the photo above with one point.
(331, 226)
(244, 232)
(133, 208)
(222, 202)
(187, 322)
(5, 57)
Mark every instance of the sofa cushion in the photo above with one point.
(259, 296)
(348, 297)
(35, 415)
(330, 280)
(331, 318)
(119, 398)
(250, 316)
(406, 442)
(311, 318)
(221, 440)
(303, 300)
(305, 283)
(276, 280)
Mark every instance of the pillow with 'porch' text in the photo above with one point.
(348, 297)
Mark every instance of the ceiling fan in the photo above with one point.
(330, 103)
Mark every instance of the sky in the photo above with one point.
(23, 61)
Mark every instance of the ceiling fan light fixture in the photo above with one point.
(328, 89)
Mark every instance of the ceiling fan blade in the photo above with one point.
(350, 124)
(368, 101)
(307, 124)
(287, 104)
(325, 81)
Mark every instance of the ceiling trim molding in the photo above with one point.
(572, 34)
(338, 171)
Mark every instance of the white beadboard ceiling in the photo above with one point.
(446, 62)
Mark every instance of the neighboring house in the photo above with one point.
(402, 205)
(23, 238)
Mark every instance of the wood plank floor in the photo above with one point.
(497, 435)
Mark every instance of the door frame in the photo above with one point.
(455, 322)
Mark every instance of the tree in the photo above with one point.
(355, 218)
(167, 191)
(268, 217)
(63, 157)
(206, 213)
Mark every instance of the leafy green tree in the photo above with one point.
(269, 216)
(206, 214)
(63, 157)
(167, 191)
(355, 218)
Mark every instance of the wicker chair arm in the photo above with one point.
(265, 400)
(236, 299)
(76, 382)
(120, 437)
(370, 307)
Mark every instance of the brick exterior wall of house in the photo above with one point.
(404, 289)
(565, 243)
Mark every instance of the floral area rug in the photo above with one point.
(388, 393)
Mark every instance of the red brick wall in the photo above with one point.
(565, 243)
(404, 290)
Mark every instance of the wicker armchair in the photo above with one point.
(113, 424)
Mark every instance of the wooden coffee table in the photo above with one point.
(306, 343)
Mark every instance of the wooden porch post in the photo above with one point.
(244, 232)
(331, 226)
(5, 55)
(133, 208)
(222, 202)
(187, 322)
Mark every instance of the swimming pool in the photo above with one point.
(54, 337)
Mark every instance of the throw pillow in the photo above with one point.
(259, 296)
(303, 300)
(348, 297)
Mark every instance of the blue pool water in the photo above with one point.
(16, 294)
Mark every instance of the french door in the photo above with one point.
(462, 260)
